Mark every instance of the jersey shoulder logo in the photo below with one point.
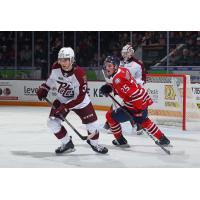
(117, 80)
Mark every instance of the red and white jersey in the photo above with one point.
(71, 86)
(136, 67)
(134, 96)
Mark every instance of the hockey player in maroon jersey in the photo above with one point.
(136, 102)
(70, 81)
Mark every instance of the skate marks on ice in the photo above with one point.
(28, 144)
(129, 131)
(48, 159)
(83, 157)
(186, 139)
(176, 159)
(148, 149)
(139, 148)
(143, 147)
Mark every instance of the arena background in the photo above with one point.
(137, 183)
(30, 54)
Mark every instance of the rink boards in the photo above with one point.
(23, 93)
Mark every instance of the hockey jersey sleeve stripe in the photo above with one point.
(136, 92)
(137, 98)
(129, 106)
(146, 97)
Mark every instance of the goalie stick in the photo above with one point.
(168, 55)
(81, 136)
(130, 116)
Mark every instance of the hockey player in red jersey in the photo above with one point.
(136, 102)
(137, 70)
(70, 81)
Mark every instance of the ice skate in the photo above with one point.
(65, 148)
(164, 141)
(97, 148)
(139, 130)
(122, 142)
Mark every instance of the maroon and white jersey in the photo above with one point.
(136, 67)
(71, 86)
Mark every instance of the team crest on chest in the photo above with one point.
(65, 74)
(60, 78)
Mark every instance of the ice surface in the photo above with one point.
(25, 141)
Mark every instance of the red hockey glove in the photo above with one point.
(61, 111)
(106, 89)
(42, 92)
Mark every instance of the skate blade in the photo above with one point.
(167, 145)
(123, 146)
(66, 152)
(139, 132)
(108, 132)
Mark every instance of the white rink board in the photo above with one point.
(24, 90)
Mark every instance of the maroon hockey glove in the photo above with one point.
(106, 89)
(42, 92)
(61, 111)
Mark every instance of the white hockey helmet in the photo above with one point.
(67, 52)
(127, 52)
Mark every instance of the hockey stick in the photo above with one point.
(168, 55)
(81, 136)
(131, 117)
(113, 103)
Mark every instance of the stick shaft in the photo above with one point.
(131, 117)
(69, 124)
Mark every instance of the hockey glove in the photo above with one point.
(42, 92)
(106, 89)
(61, 111)
(138, 113)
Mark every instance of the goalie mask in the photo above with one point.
(110, 66)
(127, 52)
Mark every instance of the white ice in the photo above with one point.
(25, 141)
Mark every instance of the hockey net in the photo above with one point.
(174, 101)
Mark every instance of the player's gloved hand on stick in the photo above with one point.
(61, 111)
(106, 89)
(42, 92)
(138, 113)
